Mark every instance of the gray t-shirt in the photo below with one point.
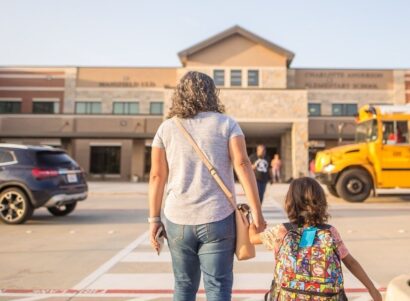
(193, 197)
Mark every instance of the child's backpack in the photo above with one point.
(311, 273)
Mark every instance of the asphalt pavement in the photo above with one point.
(101, 251)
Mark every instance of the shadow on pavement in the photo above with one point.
(368, 212)
(91, 216)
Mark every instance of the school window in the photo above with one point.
(45, 107)
(126, 107)
(344, 109)
(219, 77)
(314, 109)
(88, 107)
(10, 107)
(156, 108)
(236, 78)
(253, 78)
(105, 159)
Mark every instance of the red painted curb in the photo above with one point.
(141, 291)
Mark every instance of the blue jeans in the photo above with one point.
(208, 248)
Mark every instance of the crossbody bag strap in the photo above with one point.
(206, 161)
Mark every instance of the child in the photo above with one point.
(308, 251)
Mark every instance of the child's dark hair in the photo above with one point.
(305, 202)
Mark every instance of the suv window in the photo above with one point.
(6, 156)
(54, 159)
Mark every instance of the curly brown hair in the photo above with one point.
(305, 203)
(196, 92)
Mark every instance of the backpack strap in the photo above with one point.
(289, 227)
(324, 227)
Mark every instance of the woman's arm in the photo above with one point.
(157, 180)
(244, 171)
(356, 269)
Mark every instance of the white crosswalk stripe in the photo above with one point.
(132, 281)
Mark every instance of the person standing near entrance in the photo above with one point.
(260, 166)
(200, 223)
(276, 164)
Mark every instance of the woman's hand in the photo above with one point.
(153, 229)
(259, 221)
(254, 235)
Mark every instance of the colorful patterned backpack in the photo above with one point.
(311, 273)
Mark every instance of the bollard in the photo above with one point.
(399, 289)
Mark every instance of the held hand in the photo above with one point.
(153, 229)
(252, 229)
(254, 236)
(259, 222)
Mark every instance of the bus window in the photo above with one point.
(402, 130)
(395, 132)
(388, 133)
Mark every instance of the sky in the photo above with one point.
(322, 33)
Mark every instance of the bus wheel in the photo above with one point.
(332, 191)
(354, 185)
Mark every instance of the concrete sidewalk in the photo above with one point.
(275, 191)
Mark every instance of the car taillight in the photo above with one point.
(39, 173)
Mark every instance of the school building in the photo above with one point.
(106, 117)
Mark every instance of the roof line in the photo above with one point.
(228, 32)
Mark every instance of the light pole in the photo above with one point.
(340, 128)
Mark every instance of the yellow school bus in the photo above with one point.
(379, 158)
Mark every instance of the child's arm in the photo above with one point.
(356, 269)
(254, 235)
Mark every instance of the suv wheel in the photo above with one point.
(354, 185)
(332, 190)
(15, 206)
(63, 209)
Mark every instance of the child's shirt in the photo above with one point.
(272, 239)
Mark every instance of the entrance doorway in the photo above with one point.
(270, 151)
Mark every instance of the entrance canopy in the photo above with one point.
(255, 129)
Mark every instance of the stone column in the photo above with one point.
(399, 87)
(68, 145)
(299, 149)
(138, 158)
(70, 90)
(81, 153)
(286, 155)
(126, 159)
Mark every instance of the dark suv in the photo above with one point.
(38, 176)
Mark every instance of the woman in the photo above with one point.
(200, 224)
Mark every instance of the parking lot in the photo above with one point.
(101, 250)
